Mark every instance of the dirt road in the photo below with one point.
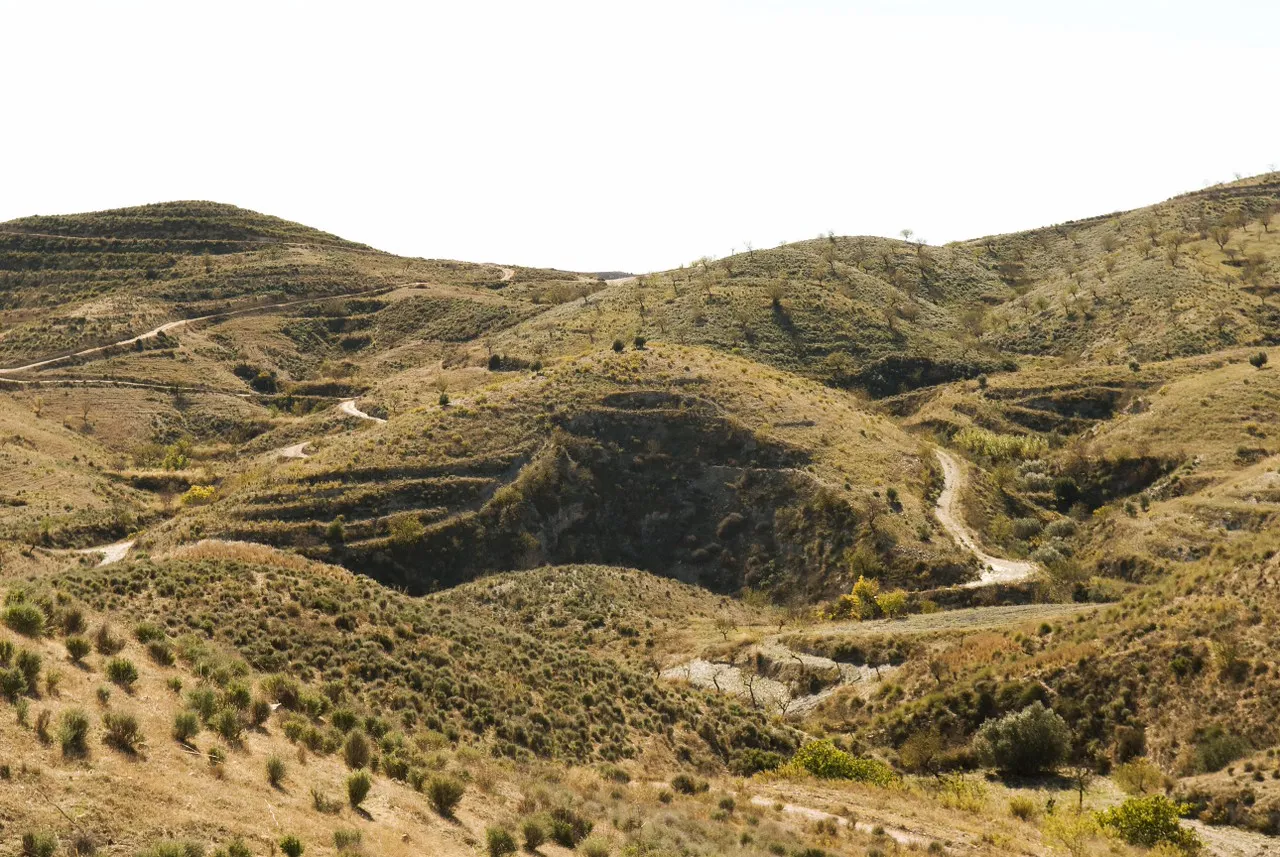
(349, 408)
(182, 322)
(995, 569)
(111, 553)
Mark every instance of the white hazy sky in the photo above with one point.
(639, 135)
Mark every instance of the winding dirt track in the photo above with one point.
(995, 569)
(183, 322)
(349, 408)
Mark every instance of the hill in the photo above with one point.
(658, 558)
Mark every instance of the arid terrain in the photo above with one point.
(851, 546)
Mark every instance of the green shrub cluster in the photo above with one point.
(823, 759)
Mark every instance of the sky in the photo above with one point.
(601, 136)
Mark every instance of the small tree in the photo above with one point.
(1029, 741)
(618, 346)
(1257, 361)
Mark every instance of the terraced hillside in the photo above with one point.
(659, 559)
(674, 460)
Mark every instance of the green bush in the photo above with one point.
(78, 647)
(358, 786)
(148, 632)
(533, 834)
(123, 731)
(173, 849)
(568, 827)
(186, 725)
(500, 842)
(1029, 741)
(687, 785)
(1149, 821)
(346, 840)
(999, 447)
(13, 683)
(73, 732)
(39, 844)
(823, 759)
(291, 846)
(595, 847)
(106, 641)
(26, 619)
(444, 793)
(275, 770)
(122, 672)
(28, 663)
(356, 751)
(228, 724)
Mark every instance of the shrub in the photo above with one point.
(999, 447)
(568, 828)
(892, 604)
(73, 732)
(275, 770)
(106, 641)
(500, 842)
(618, 346)
(77, 648)
(1149, 821)
(358, 786)
(26, 619)
(28, 663)
(1138, 777)
(444, 793)
(259, 711)
(595, 847)
(173, 849)
(204, 702)
(122, 673)
(161, 652)
(13, 683)
(687, 785)
(148, 632)
(323, 803)
(356, 751)
(227, 723)
(823, 759)
(1257, 361)
(39, 844)
(291, 846)
(1216, 748)
(533, 834)
(123, 731)
(1026, 742)
(639, 342)
(186, 725)
(346, 840)
(1023, 808)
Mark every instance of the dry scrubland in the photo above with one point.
(574, 487)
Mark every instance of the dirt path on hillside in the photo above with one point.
(349, 408)
(183, 322)
(995, 569)
(110, 553)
